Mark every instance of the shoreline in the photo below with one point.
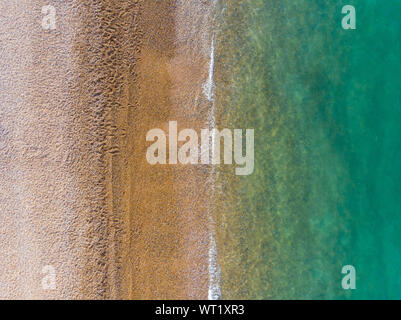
(181, 69)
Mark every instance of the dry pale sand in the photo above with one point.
(76, 191)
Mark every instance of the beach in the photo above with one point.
(77, 192)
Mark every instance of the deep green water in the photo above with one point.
(325, 104)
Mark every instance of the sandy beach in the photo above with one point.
(76, 191)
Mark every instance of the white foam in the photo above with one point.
(208, 86)
(214, 292)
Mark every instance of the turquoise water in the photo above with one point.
(325, 104)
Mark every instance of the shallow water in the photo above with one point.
(325, 104)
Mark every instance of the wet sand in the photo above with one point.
(76, 190)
